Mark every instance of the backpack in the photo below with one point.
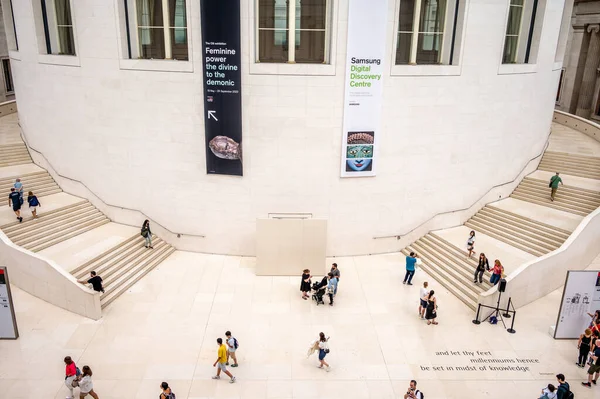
(422, 394)
(235, 343)
(493, 320)
(567, 391)
(167, 395)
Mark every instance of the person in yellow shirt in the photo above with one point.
(222, 362)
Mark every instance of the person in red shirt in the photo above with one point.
(70, 374)
(596, 329)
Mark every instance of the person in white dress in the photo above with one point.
(86, 386)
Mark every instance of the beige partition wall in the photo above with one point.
(285, 247)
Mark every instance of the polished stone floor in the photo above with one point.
(165, 327)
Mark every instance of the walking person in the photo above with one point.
(497, 272)
(411, 261)
(33, 202)
(336, 273)
(554, 181)
(14, 200)
(413, 392)
(482, 266)
(471, 243)
(70, 375)
(305, 284)
(232, 345)
(423, 293)
(431, 313)
(595, 318)
(563, 387)
(584, 346)
(95, 281)
(323, 351)
(86, 386)
(167, 393)
(147, 234)
(19, 188)
(222, 362)
(594, 369)
(331, 287)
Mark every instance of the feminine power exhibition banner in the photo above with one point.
(367, 20)
(581, 295)
(222, 86)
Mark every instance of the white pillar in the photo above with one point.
(167, 30)
(292, 32)
(415, 37)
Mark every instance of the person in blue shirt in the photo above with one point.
(411, 260)
(331, 287)
(19, 188)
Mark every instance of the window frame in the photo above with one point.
(563, 35)
(51, 28)
(43, 57)
(460, 20)
(12, 40)
(128, 39)
(326, 68)
(7, 92)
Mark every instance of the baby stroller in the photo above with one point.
(319, 290)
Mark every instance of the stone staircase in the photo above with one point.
(124, 264)
(120, 267)
(448, 263)
(14, 154)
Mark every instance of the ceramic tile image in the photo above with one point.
(165, 329)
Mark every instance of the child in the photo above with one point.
(549, 392)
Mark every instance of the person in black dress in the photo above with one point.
(305, 284)
(431, 312)
(481, 268)
(584, 346)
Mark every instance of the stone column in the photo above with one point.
(588, 83)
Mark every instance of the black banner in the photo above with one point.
(222, 86)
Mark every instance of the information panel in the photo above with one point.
(581, 295)
(367, 21)
(8, 323)
(222, 86)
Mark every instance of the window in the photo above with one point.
(560, 84)
(159, 29)
(302, 22)
(561, 43)
(427, 31)
(9, 23)
(520, 29)
(58, 27)
(8, 83)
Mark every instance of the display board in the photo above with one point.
(367, 22)
(581, 295)
(8, 322)
(222, 86)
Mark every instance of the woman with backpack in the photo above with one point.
(147, 234)
(86, 385)
(33, 202)
(323, 351)
(70, 375)
(167, 393)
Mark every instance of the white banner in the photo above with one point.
(367, 21)
(581, 295)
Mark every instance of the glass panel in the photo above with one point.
(510, 50)
(63, 12)
(272, 46)
(152, 43)
(311, 14)
(514, 20)
(433, 13)
(428, 48)
(179, 48)
(273, 14)
(403, 50)
(177, 16)
(517, 2)
(149, 13)
(7, 76)
(407, 11)
(312, 47)
(65, 40)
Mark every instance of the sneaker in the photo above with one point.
(328, 369)
(216, 377)
(594, 382)
(409, 283)
(331, 304)
(404, 282)
(475, 281)
(234, 365)
(227, 364)
(232, 380)
(586, 384)
(20, 219)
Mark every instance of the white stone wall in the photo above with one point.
(136, 137)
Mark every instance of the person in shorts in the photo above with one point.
(594, 369)
(424, 292)
(232, 346)
(33, 202)
(14, 200)
(222, 362)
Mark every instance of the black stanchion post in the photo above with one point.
(512, 324)
(476, 321)
(506, 314)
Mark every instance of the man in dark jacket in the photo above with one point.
(563, 387)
